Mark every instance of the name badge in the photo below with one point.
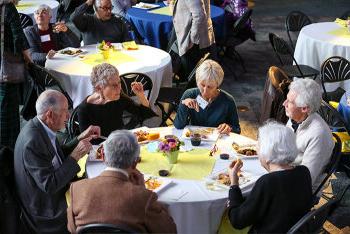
(201, 102)
(45, 38)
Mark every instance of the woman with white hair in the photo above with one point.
(106, 105)
(281, 197)
(208, 105)
(46, 38)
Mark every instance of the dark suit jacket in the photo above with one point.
(111, 198)
(40, 187)
(61, 40)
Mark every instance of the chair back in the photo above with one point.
(26, 20)
(295, 21)
(283, 51)
(73, 124)
(103, 228)
(241, 22)
(334, 69)
(42, 79)
(332, 117)
(345, 15)
(313, 221)
(332, 164)
(191, 77)
(128, 78)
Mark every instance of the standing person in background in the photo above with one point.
(121, 6)
(16, 43)
(45, 38)
(194, 30)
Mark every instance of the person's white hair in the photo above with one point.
(97, 4)
(45, 8)
(210, 70)
(121, 149)
(308, 94)
(277, 143)
(102, 73)
(47, 100)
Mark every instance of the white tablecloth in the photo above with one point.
(315, 44)
(199, 210)
(74, 74)
(30, 10)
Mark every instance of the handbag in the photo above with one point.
(12, 66)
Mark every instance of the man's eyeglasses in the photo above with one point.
(106, 8)
(42, 11)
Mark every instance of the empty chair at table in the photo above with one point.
(281, 197)
(45, 38)
(105, 107)
(208, 105)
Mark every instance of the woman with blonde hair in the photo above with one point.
(208, 105)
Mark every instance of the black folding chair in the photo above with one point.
(131, 121)
(284, 53)
(334, 69)
(43, 79)
(103, 228)
(295, 21)
(73, 125)
(26, 20)
(313, 221)
(172, 95)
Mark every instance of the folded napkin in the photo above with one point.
(341, 22)
(130, 45)
(177, 194)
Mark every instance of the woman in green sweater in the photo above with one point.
(208, 105)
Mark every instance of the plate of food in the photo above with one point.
(222, 180)
(145, 6)
(71, 51)
(245, 151)
(97, 153)
(144, 136)
(156, 184)
(206, 133)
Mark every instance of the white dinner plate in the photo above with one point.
(92, 154)
(164, 183)
(205, 137)
(145, 6)
(75, 51)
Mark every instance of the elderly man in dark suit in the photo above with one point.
(42, 170)
(45, 38)
(118, 196)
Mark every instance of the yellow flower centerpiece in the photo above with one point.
(105, 49)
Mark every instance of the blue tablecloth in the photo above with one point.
(344, 109)
(156, 28)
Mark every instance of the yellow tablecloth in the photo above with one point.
(192, 165)
(341, 32)
(226, 227)
(161, 11)
(115, 58)
(82, 165)
(24, 6)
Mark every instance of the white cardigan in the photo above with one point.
(315, 144)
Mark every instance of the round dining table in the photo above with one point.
(195, 206)
(155, 26)
(29, 6)
(319, 41)
(73, 72)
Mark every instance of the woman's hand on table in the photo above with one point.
(191, 103)
(50, 54)
(233, 171)
(224, 129)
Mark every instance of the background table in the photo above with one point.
(74, 73)
(319, 41)
(156, 28)
(200, 209)
(29, 6)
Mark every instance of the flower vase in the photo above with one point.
(105, 54)
(172, 156)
